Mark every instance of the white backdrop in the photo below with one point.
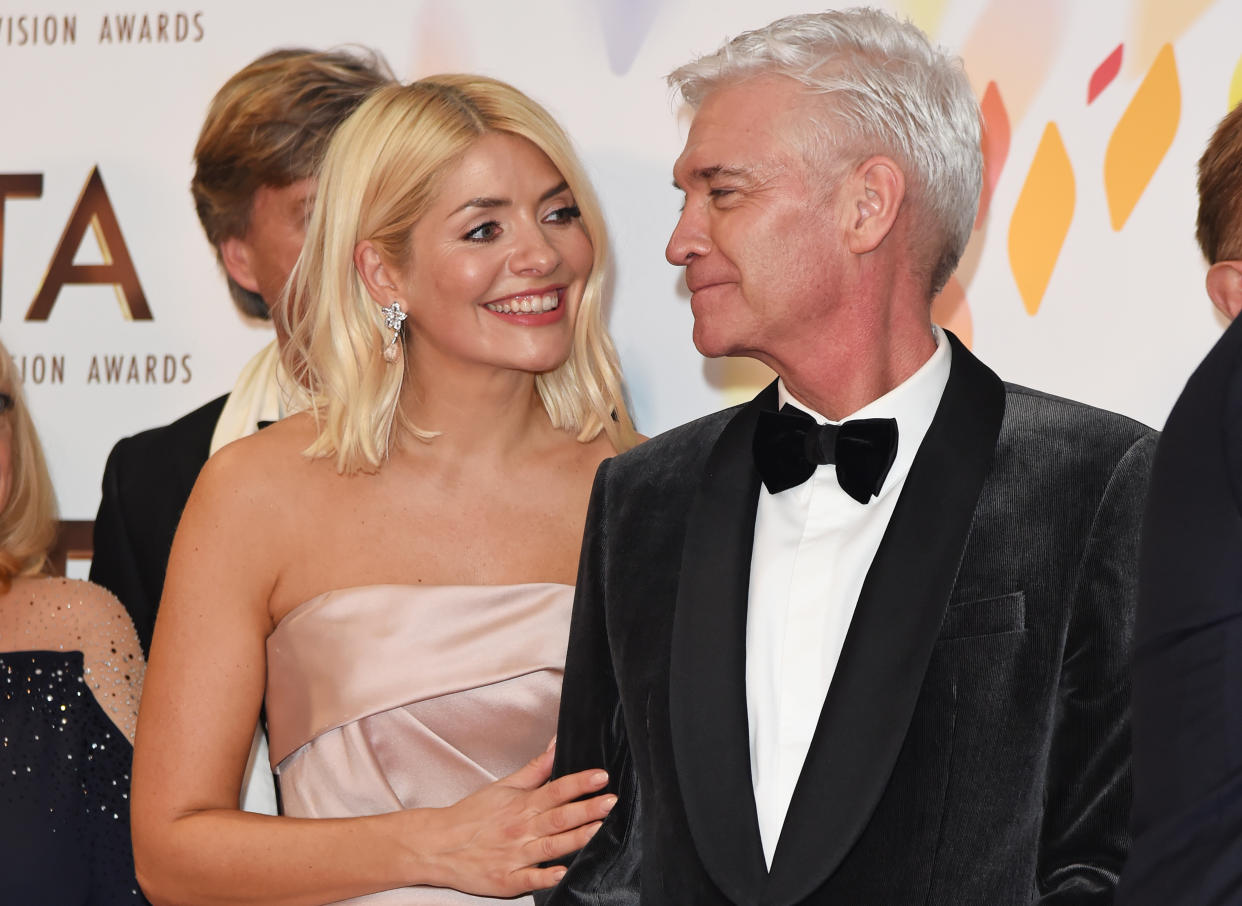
(1121, 320)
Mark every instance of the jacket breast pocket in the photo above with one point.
(983, 617)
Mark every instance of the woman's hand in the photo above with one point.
(491, 842)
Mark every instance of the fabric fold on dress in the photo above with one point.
(389, 696)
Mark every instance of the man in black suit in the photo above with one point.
(1188, 651)
(266, 131)
(865, 639)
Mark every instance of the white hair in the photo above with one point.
(888, 91)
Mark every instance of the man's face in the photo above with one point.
(262, 260)
(762, 243)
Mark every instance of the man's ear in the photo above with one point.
(375, 274)
(235, 254)
(876, 192)
(1224, 285)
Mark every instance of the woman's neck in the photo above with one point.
(475, 411)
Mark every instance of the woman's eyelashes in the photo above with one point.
(491, 230)
(564, 214)
(484, 232)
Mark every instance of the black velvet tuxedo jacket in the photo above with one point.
(146, 484)
(1188, 656)
(973, 748)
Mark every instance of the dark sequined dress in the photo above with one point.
(64, 787)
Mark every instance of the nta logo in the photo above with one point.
(93, 210)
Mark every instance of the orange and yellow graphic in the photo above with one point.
(1041, 218)
(1142, 137)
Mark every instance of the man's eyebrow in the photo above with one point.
(719, 170)
(706, 174)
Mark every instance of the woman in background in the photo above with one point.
(395, 565)
(71, 672)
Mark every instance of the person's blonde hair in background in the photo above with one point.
(71, 672)
(380, 174)
(28, 518)
(28, 525)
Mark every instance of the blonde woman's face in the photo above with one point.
(498, 264)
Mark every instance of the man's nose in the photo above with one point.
(689, 239)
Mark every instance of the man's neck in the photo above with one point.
(877, 333)
(836, 377)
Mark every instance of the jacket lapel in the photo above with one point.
(707, 667)
(900, 609)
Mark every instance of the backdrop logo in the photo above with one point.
(94, 210)
(118, 28)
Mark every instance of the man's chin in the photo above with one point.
(712, 347)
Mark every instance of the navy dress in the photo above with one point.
(64, 787)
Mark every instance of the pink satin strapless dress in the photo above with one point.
(392, 696)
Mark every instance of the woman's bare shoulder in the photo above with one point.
(602, 447)
(288, 437)
(263, 463)
(574, 466)
(256, 510)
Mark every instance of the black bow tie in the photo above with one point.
(789, 445)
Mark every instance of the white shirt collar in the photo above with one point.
(260, 394)
(912, 403)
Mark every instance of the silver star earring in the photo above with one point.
(393, 318)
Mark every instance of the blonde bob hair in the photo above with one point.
(28, 517)
(381, 173)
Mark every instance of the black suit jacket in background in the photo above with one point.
(146, 484)
(973, 748)
(1188, 656)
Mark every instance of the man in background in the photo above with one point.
(265, 135)
(1188, 656)
(865, 639)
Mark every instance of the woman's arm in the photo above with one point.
(204, 686)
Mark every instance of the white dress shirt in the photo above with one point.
(813, 547)
(260, 394)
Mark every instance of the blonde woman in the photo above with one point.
(393, 568)
(70, 675)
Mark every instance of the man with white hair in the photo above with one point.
(865, 639)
